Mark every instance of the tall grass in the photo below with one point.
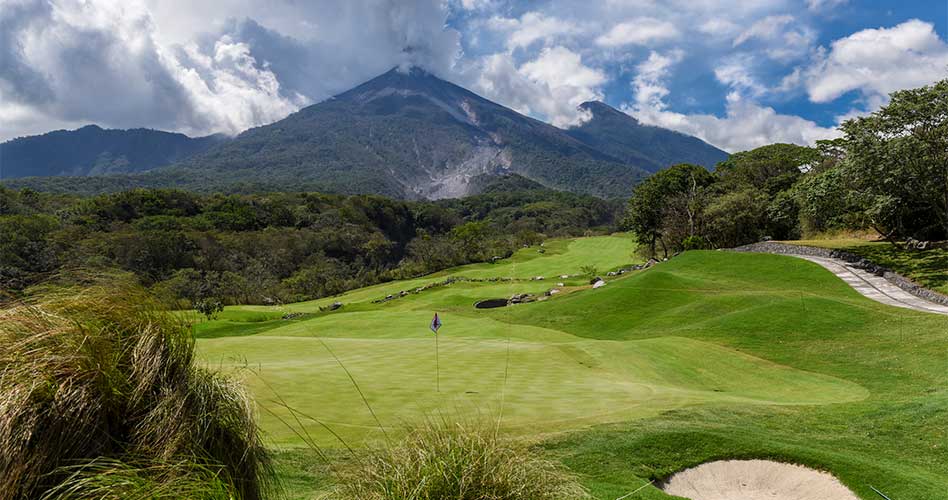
(100, 397)
(458, 461)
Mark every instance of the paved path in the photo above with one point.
(876, 287)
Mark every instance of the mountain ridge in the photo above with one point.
(410, 134)
(93, 150)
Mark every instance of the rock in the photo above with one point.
(553, 291)
(403, 293)
(389, 297)
(538, 278)
(595, 280)
(295, 315)
(564, 276)
(521, 298)
(335, 305)
(611, 273)
(560, 284)
(599, 284)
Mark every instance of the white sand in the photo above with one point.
(755, 480)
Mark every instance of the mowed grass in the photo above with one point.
(710, 355)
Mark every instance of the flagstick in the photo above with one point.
(437, 364)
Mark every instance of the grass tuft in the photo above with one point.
(468, 461)
(100, 397)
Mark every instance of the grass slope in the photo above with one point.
(710, 355)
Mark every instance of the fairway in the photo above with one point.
(771, 347)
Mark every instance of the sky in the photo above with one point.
(736, 73)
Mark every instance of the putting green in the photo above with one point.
(548, 378)
(551, 385)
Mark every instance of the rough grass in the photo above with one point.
(460, 461)
(100, 397)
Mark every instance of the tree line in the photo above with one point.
(277, 247)
(887, 173)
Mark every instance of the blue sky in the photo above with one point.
(737, 73)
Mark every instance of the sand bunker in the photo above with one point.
(755, 480)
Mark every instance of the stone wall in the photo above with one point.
(851, 259)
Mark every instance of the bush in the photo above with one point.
(440, 460)
(695, 243)
(100, 398)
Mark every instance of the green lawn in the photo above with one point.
(710, 355)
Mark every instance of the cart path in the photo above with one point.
(876, 287)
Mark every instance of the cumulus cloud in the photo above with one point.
(649, 82)
(550, 86)
(781, 37)
(746, 124)
(104, 61)
(640, 31)
(718, 26)
(532, 27)
(876, 62)
(823, 5)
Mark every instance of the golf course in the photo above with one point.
(710, 355)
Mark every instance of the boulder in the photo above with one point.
(599, 284)
(595, 280)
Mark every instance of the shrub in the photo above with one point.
(100, 398)
(440, 460)
(695, 243)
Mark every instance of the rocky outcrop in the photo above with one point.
(851, 259)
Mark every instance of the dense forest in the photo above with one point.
(887, 174)
(201, 250)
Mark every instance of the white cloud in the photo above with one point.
(781, 37)
(736, 73)
(746, 125)
(639, 31)
(550, 86)
(532, 27)
(479, 4)
(648, 84)
(876, 62)
(107, 61)
(718, 26)
(767, 28)
(824, 5)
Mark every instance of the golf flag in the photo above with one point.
(435, 323)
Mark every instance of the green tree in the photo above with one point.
(646, 209)
(897, 163)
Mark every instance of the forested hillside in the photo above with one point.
(92, 150)
(278, 247)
